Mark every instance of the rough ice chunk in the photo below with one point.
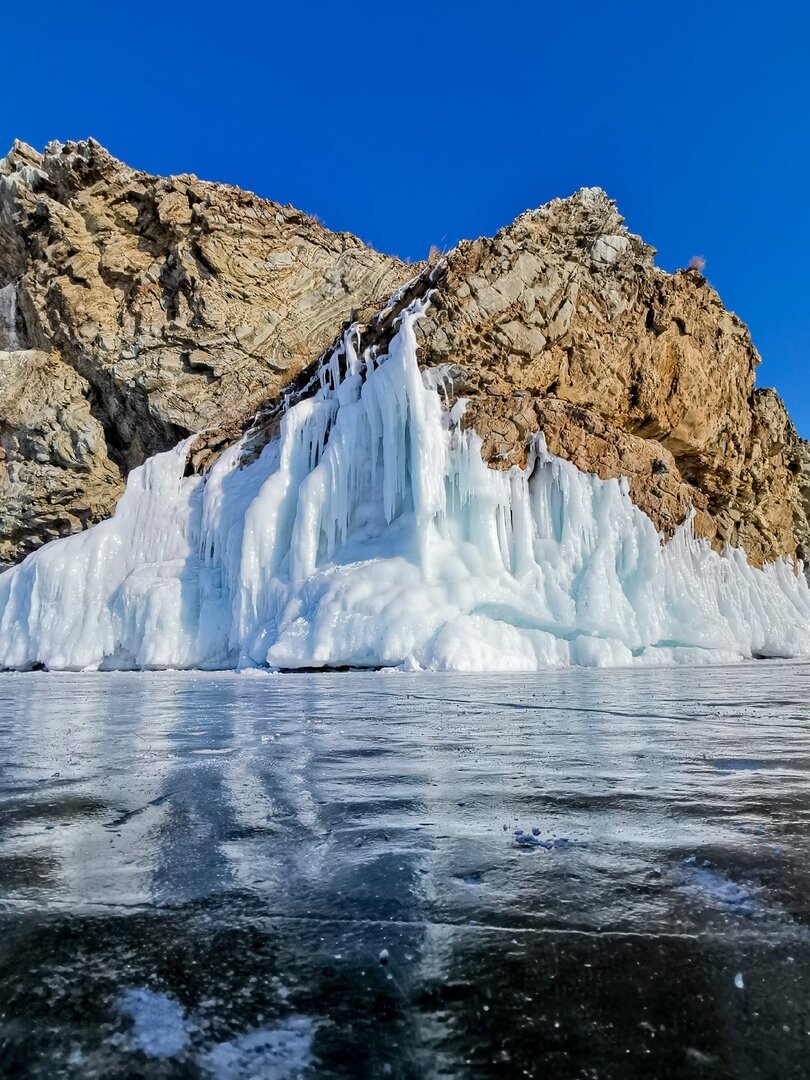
(277, 1053)
(159, 1025)
(712, 886)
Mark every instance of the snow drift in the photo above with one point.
(369, 533)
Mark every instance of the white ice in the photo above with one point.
(371, 533)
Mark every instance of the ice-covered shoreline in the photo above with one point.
(371, 533)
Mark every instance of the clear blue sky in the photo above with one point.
(419, 124)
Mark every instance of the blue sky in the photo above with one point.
(414, 125)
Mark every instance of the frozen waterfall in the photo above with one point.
(370, 532)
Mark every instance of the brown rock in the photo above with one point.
(562, 323)
(165, 303)
(55, 476)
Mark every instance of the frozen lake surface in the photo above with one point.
(574, 874)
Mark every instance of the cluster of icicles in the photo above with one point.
(371, 533)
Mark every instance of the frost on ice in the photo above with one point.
(370, 532)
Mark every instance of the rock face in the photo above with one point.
(55, 473)
(563, 324)
(135, 310)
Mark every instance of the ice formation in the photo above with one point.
(371, 533)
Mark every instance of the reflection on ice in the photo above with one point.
(342, 893)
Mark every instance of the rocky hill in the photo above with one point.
(563, 323)
(135, 310)
(140, 309)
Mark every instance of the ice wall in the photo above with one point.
(370, 532)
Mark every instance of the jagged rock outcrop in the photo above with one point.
(565, 323)
(147, 308)
(562, 323)
(55, 473)
(137, 309)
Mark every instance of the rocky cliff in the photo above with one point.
(563, 324)
(140, 309)
(135, 310)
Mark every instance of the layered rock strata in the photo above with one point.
(137, 309)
